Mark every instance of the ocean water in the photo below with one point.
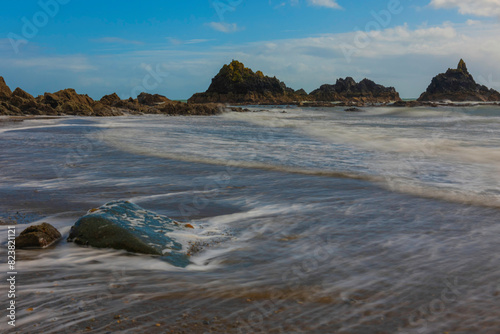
(307, 220)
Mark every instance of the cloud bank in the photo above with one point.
(471, 7)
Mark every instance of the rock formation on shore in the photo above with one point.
(151, 100)
(237, 84)
(38, 236)
(458, 85)
(69, 102)
(347, 90)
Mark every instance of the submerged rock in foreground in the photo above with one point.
(127, 226)
(38, 236)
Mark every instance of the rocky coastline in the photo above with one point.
(238, 85)
(68, 102)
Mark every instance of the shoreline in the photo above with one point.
(243, 107)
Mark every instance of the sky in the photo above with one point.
(174, 48)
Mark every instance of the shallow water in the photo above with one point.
(309, 221)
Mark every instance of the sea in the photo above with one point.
(306, 220)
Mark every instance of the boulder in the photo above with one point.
(348, 90)
(22, 94)
(458, 85)
(8, 109)
(127, 226)
(237, 84)
(110, 100)
(38, 236)
(23, 100)
(67, 101)
(353, 109)
(191, 109)
(151, 100)
(301, 92)
(103, 110)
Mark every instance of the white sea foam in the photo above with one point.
(446, 154)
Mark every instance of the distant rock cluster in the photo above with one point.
(69, 102)
(237, 84)
(347, 90)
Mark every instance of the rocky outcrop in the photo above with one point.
(174, 108)
(22, 94)
(151, 100)
(301, 92)
(38, 236)
(458, 85)
(110, 100)
(124, 225)
(347, 90)
(23, 100)
(237, 84)
(69, 102)
(192, 109)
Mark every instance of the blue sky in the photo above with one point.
(174, 48)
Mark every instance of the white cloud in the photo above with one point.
(472, 22)
(473, 7)
(324, 3)
(65, 63)
(224, 27)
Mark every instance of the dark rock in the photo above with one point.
(68, 102)
(123, 225)
(23, 100)
(103, 110)
(458, 85)
(347, 90)
(110, 100)
(151, 100)
(301, 92)
(191, 109)
(237, 84)
(400, 104)
(353, 109)
(8, 109)
(22, 94)
(5, 92)
(38, 236)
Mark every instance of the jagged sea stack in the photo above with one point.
(458, 85)
(237, 84)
